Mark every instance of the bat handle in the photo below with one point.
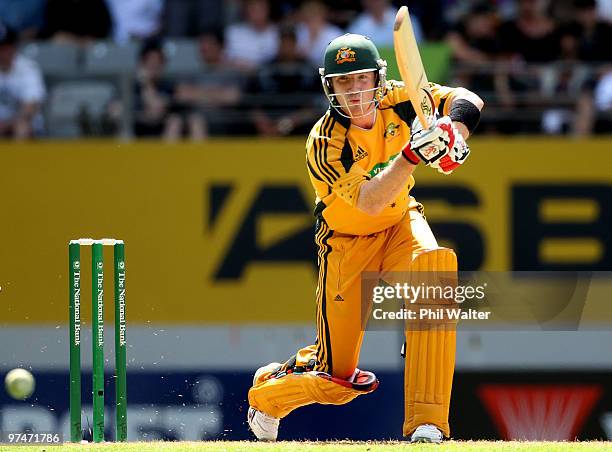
(424, 120)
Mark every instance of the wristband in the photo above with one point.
(409, 155)
(465, 112)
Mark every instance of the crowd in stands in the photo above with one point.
(542, 66)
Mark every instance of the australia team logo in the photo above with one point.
(345, 55)
(391, 131)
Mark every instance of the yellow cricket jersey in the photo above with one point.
(340, 157)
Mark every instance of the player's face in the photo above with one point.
(355, 92)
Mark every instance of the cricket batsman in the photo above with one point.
(360, 157)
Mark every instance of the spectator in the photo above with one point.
(377, 21)
(76, 21)
(192, 18)
(343, 12)
(314, 32)
(25, 17)
(255, 40)
(216, 92)
(531, 37)
(587, 38)
(21, 90)
(435, 16)
(474, 39)
(594, 107)
(561, 11)
(135, 19)
(604, 10)
(153, 97)
(233, 11)
(474, 44)
(284, 91)
(603, 100)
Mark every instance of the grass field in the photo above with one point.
(283, 446)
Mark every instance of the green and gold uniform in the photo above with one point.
(340, 157)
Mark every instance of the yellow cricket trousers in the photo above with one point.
(341, 260)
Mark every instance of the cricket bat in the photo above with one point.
(411, 67)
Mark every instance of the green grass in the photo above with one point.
(283, 446)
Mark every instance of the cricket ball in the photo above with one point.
(19, 384)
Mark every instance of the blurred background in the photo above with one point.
(179, 127)
(191, 69)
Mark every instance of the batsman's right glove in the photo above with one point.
(441, 146)
(424, 145)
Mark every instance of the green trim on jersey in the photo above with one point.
(381, 166)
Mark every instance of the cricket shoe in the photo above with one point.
(426, 433)
(264, 426)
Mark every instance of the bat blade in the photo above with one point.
(411, 68)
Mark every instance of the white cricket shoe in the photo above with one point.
(426, 433)
(264, 426)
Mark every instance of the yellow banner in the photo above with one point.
(223, 231)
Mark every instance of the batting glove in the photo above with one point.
(441, 146)
(427, 144)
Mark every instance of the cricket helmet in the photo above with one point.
(352, 54)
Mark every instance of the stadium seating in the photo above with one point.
(53, 59)
(77, 105)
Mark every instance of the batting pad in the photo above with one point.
(430, 348)
(278, 396)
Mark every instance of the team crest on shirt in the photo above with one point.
(345, 55)
(391, 131)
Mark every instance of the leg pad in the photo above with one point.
(281, 394)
